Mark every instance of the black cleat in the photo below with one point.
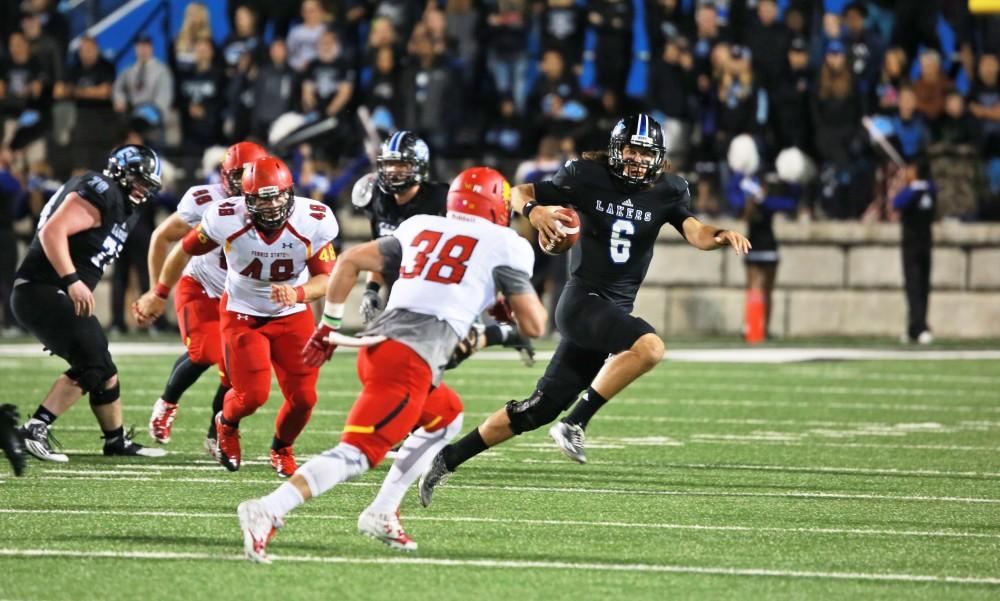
(38, 441)
(10, 438)
(124, 446)
(435, 475)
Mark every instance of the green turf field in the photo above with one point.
(846, 480)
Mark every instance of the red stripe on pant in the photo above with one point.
(256, 345)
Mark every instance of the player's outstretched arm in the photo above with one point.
(707, 237)
(529, 313)
(167, 233)
(153, 303)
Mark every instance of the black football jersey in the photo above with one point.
(385, 214)
(91, 250)
(618, 226)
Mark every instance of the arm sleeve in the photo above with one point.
(197, 243)
(323, 261)
(680, 210)
(560, 189)
(392, 253)
(187, 209)
(512, 281)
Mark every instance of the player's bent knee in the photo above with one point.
(107, 394)
(340, 464)
(205, 354)
(532, 413)
(650, 349)
(93, 379)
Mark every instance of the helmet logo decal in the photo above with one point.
(268, 191)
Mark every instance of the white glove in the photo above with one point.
(361, 194)
(371, 305)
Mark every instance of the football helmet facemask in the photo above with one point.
(402, 162)
(136, 169)
(637, 150)
(268, 192)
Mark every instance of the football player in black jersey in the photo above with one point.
(623, 198)
(81, 230)
(398, 190)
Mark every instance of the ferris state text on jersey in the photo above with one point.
(91, 250)
(619, 226)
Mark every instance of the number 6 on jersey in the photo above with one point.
(620, 244)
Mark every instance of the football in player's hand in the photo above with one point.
(570, 230)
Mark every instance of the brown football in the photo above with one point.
(571, 230)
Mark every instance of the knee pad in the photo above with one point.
(340, 464)
(90, 379)
(533, 412)
(105, 396)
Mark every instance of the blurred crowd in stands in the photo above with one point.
(521, 85)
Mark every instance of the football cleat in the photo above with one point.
(11, 441)
(283, 462)
(387, 528)
(258, 526)
(38, 441)
(162, 420)
(570, 439)
(435, 475)
(228, 450)
(211, 446)
(124, 446)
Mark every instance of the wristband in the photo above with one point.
(69, 279)
(333, 315)
(527, 208)
(373, 286)
(300, 294)
(161, 290)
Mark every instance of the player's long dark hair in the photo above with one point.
(601, 156)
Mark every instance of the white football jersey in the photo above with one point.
(256, 261)
(448, 263)
(209, 269)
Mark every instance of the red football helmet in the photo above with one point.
(267, 191)
(237, 157)
(481, 192)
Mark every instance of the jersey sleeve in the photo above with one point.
(680, 209)
(213, 226)
(323, 261)
(96, 190)
(392, 255)
(560, 190)
(327, 230)
(189, 209)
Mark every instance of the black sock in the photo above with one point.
(186, 372)
(220, 397)
(497, 334)
(589, 404)
(278, 444)
(43, 414)
(465, 449)
(115, 436)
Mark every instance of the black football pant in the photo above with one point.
(917, 278)
(592, 329)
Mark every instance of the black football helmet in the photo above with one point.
(640, 131)
(136, 169)
(402, 149)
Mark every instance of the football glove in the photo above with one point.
(371, 306)
(319, 349)
(501, 312)
(466, 347)
(10, 438)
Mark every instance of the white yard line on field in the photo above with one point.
(526, 521)
(96, 476)
(727, 355)
(516, 565)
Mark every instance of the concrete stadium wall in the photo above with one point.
(833, 279)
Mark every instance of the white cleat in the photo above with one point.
(38, 441)
(570, 439)
(162, 421)
(211, 446)
(258, 526)
(387, 528)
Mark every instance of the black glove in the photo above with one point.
(10, 438)
(465, 348)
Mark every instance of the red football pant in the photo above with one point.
(198, 320)
(251, 347)
(396, 397)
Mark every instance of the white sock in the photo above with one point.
(413, 458)
(283, 500)
(341, 463)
